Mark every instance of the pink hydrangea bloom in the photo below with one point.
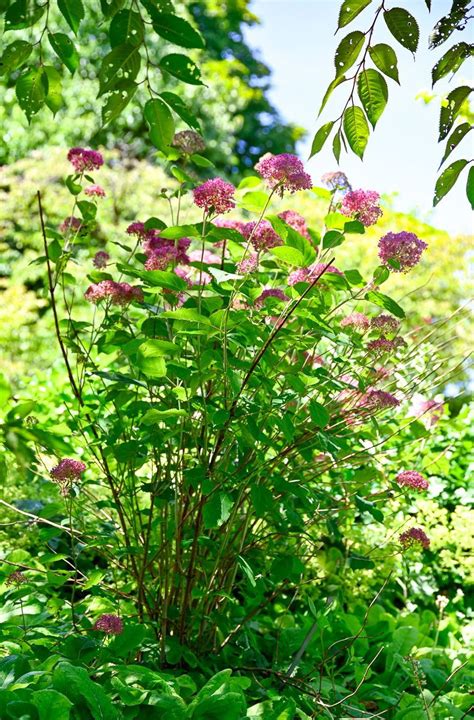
(95, 191)
(385, 323)
(430, 411)
(138, 229)
(309, 273)
(118, 293)
(161, 252)
(283, 172)
(270, 292)
(85, 160)
(215, 196)
(161, 258)
(109, 624)
(68, 470)
(356, 320)
(100, 259)
(362, 205)
(238, 225)
(404, 247)
(70, 223)
(296, 221)
(248, 264)
(262, 235)
(374, 400)
(413, 479)
(414, 536)
(207, 257)
(336, 181)
(382, 345)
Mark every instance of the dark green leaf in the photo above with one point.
(332, 86)
(217, 510)
(31, 89)
(65, 50)
(385, 302)
(118, 99)
(126, 27)
(356, 129)
(74, 682)
(14, 56)
(181, 109)
(177, 30)
(369, 507)
(121, 63)
(470, 186)
(110, 7)
(181, 67)
(450, 109)
(320, 138)
(459, 132)
(160, 120)
(51, 705)
(54, 98)
(333, 238)
(23, 14)
(452, 60)
(358, 562)
(384, 57)
(348, 51)
(350, 9)
(354, 227)
(373, 93)
(73, 12)
(455, 20)
(447, 180)
(403, 27)
(319, 414)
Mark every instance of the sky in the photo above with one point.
(295, 38)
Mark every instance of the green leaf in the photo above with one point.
(23, 14)
(74, 682)
(359, 562)
(348, 51)
(217, 510)
(451, 61)
(51, 705)
(384, 57)
(187, 314)
(160, 120)
(288, 254)
(459, 132)
(455, 20)
(174, 232)
(254, 201)
(470, 186)
(121, 63)
(54, 98)
(31, 89)
(118, 100)
(126, 27)
(336, 146)
(177, 30)
(319, 414)
(365, 506)
(450, 109)
(181, 109)
(201, 161)
(320, 138)
(332, 239)
(73, 13)
(349, 10)
(385, 302)
(150, 359)
(15, 55)
(373, 93)
(65, 50)
(151, 417)
(403, 27)
(331, 87)
(381, 274)
(356, 129)
(181, 67)
(447, 180)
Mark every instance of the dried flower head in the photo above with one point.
(283, 172)
(413, 479)
(16, 578)
(70, 223)
(85, 160)
(404, 248)
(100, 259)
(215, 196)
(385, 323)
(362, 205)
(414, 536)
(189, 142)
(109, 624)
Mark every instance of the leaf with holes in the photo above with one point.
(181, 109)
(320, 138)
(160, 120)
(176, 30)
(65, 50)
(126, 27)
(118, 100)
(452, 61)
(14, 56)
(73, 13)
(447, 180)
(459, 132)
(348, 51)
(470, 187)
(403, 27)
(181, 67)
(455, 20)
(450, 109)
(373, 94)
(22, 14)
(384, 57)
(54, 98)
(31, 89)
(356, 129)
(349, 10)
(121, 63)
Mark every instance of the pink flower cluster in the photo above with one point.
(100, 259)
(296, 221)
(385, 323)
(309, 273)
(248, 264)
(362, 205)
(109, 624)
(283, 172)
(413, 479)
(215, 196)
(95, 191)
(160, 252)
(68, 470)
(270, 293)
(414, 536)
(85, 160)
(374, 400)
(404, 248)
(70, 223)
(117, 293)
(262, 235)
(238, 225)
(357, 320)
(384, 345)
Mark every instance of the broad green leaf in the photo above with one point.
(161, 123)
(373, 94)
(179, 231)
(470, 186)
(151, 417)
(73, 12)
(121, 63)
(356, 129)
(450, 109)
(217, 510)
(319, 414)
(177, 30)
(359, 562)
(348, 51)
(110, 7)
(181, 67)
(459, 132)
(254, 201)
(150, 360)
(369, 507)
(187, 314)
(118, 99)
(51, 705)
(354, 227)
(14, 56)
(54, 98)
(126, 27)
(65, 50)
(349, 10)
(23, 14)
(288, 254)
(333, 238)
(447, 180)
(201, 161)
(381, 274)
(336, 145)
(75, 683)
(385, 302)
(321, 137)
(384, 57)
(451, 61)
(31, 89)
(181, 109)
(403, 27)
(331, 87)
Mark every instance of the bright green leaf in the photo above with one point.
(356, 129)
(177, 30)
(160, 120)
(348, 51)
(121, 63)
(349, 10)
(321, 137)
(65, 50)
(384, 57)
(373, 93)
(447, 180)
(403, 27)
(73, 12)
(181, 67)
